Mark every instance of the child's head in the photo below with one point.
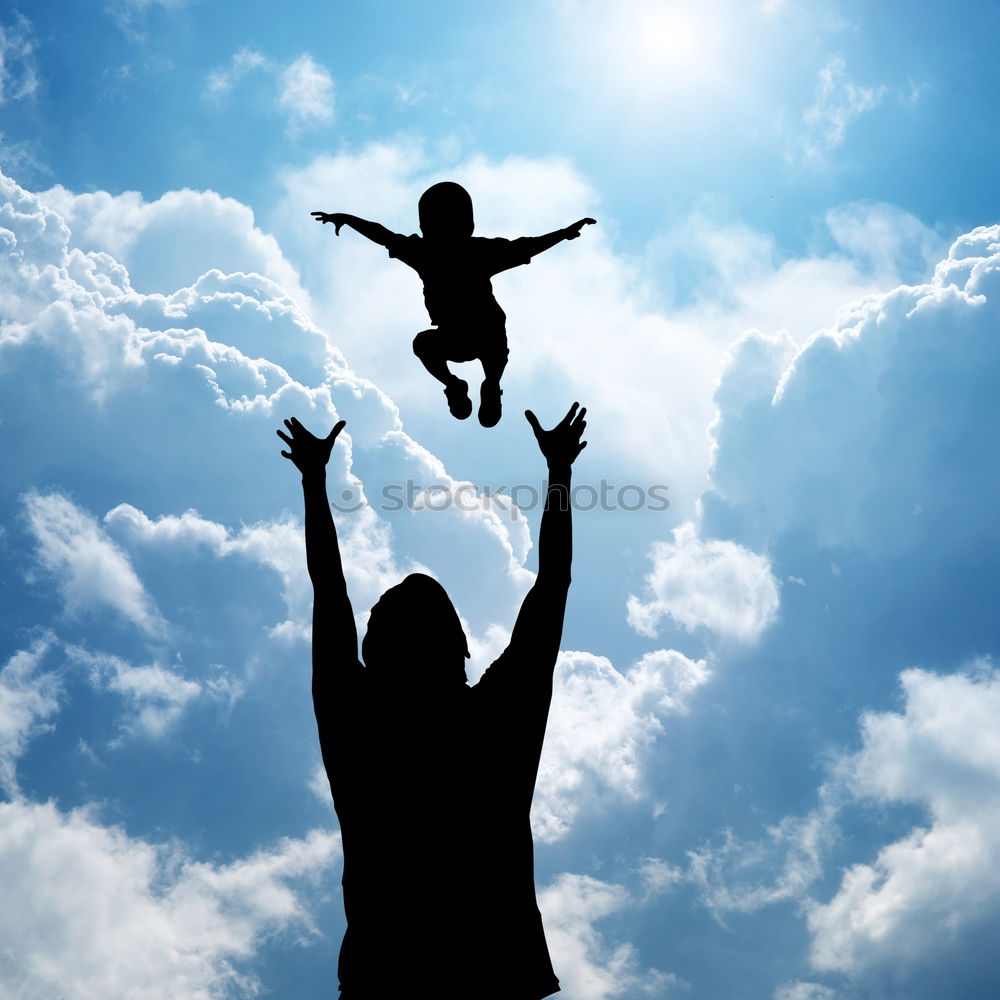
(445, 211)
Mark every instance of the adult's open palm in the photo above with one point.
(308, 452)
(562, 443)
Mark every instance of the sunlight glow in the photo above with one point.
(665, 46)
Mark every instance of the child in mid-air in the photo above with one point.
(456, 268)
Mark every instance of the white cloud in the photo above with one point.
(745, 876)
(800, 990)
(602, 724)
(588, 966)
(173, 241)
(307, 93)
(279, 545)
(91, 911)
(88, 569)
(839, 101)
(26, 698)
(80, 306)
(156, 695)
(927, 890)
(305, 89)
(243, 62)
(18, 67)
(876, 398)
(714, 584)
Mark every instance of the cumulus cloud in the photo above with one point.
(839, 101)
(601, 727)
(306, 93)
(925, 892)
(128, 348)
(876, 396)
(27, 697)
(88, 569)
(95, 911)
(589, 966)
(712, 584)
(171, 242)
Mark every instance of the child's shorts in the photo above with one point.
(465, 341)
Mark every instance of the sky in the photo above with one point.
(772, 768)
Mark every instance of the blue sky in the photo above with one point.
(772, 770)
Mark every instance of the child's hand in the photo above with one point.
(573, 231)
(562, 444)
(337, 218)
(308, 452)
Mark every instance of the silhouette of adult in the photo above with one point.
(432, 779)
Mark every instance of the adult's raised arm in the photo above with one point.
(538, 629)
(335, 635)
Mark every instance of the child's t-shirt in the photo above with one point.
(456, 273)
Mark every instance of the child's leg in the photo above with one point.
(490, 392)
(428, 346)
(432, 347)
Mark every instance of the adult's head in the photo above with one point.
(445, 211)
(415, 637)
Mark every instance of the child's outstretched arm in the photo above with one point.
(539, 244)
(370, 230)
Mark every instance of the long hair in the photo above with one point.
(414, 634)
(445, 211)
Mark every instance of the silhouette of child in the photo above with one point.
(456, 268)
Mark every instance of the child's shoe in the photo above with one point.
(457, 395)
(489, 403)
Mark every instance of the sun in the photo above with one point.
(665, 45)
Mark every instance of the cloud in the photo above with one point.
(863, 462)
(96, 912)
(26, 698)
(278, 545)
(88, 569)
(18, 67)
(881, 396)
(839, 101)
(713, 584)
(588, 966)
(74, 315)
(243, 62)
(156, 695)
(739, 876)
(602, 726)
(928, 891)
(173, 241)
(800, 990)
(306, 93)
(131, 15)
